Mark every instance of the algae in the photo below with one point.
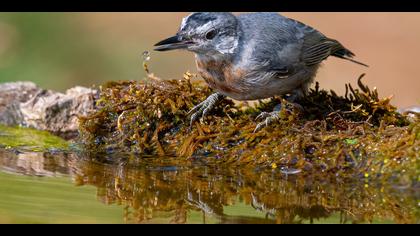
(355, 134)
(28, 139)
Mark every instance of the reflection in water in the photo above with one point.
(148, 190)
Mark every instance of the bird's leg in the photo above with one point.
(202, 109)
(291, 101)
(270, 117)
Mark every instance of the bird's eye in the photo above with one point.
(211, 34)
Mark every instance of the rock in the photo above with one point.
(20, 91)
(10, 114)
(23, 103)
(11, 95)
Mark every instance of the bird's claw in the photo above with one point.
(262, 115)
(202, 109)
(269, 118)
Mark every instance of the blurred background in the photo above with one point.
(61, 50)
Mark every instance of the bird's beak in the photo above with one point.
(172, 43)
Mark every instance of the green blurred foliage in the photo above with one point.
(51, 50)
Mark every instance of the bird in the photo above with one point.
(253, 56)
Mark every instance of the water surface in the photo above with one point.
(48, 187)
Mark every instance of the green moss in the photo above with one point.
(348, 135)
(30, 139)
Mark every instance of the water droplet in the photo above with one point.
(146, 56)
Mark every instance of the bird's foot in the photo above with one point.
(268, 117)
(271, 117)
(202, 109)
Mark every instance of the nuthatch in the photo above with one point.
(253, 56)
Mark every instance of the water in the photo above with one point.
(146, 56)
(37, 187)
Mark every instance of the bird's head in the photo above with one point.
(204, 33)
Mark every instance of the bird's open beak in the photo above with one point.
(172, 43)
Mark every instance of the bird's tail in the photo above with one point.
(346, 54)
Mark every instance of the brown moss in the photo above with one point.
(358, 132)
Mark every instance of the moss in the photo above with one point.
(353, 134)
(30, 139)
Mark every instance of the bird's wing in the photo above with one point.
(317, 47)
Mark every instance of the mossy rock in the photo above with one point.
(358, 133)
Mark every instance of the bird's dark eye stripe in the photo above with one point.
(211, 34)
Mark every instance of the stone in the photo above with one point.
(11, 95)
(23, 103)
